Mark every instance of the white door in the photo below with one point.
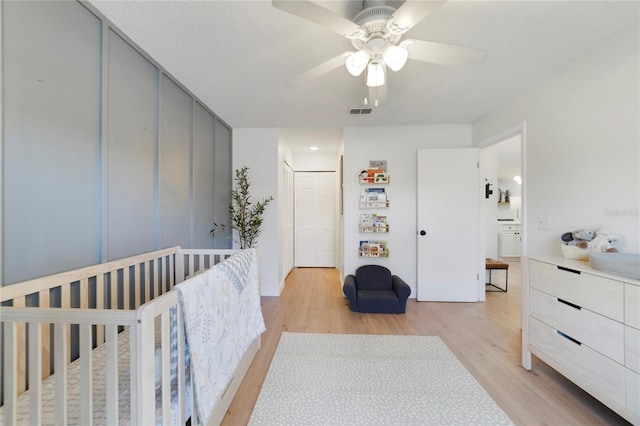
(450, 259)
(315, 219)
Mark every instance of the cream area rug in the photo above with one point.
(346, 379)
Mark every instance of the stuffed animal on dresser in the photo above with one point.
(580, 238)
(603, 239)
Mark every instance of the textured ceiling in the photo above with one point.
(236, 56)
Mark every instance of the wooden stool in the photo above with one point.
(490, 265)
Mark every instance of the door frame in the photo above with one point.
(518, 129)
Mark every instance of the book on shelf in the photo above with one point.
(378, 165)
(373, 248)
(373, 223)
(374, 196)
(376, 173)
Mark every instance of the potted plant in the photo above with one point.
(246, 216)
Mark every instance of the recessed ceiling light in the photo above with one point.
(313, 148)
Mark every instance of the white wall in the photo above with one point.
(582, 151)
(398, 145)
(258, 150)
(315, 162)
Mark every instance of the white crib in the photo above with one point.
(108, 327)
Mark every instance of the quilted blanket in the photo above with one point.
(222, 317)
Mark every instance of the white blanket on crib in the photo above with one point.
(222, 317)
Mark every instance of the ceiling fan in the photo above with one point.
(376, 34)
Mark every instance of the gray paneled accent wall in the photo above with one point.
(203, 177)
(51, 167)
(175, 164)
(222, 185)
(104, 155)
(132, 136)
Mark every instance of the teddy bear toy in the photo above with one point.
(603, 239)
(599, 240)
(579, 238)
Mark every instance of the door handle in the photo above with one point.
(423, 232)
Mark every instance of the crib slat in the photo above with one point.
(20, 346)
(113, 286)
(60, 352)
(125, 288)
(142, 350)
(147, 281)
(171, 272)
(65, 303)
(166, 367)
(137, 285)
(35, 373)
(133, 382)
(111, 372)
(179, 265)
(45, 302)
(100, 304)
(86, 376)
(159, 280)
(191, 262)
(10, 372)
(84, 293)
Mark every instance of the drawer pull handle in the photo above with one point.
(568, 337)
(574, 306)
(573, 271)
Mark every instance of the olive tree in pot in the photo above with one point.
(246, 216)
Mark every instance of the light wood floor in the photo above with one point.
(484, 336)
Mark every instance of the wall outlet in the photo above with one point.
(544, 222)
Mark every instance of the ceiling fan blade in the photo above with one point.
(315, 13)
(412, 12)
(319, 70)
(445, 54)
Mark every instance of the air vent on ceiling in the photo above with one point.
(360, 111)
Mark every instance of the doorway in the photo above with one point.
(315, 219)
(504, 168)
(503, 210)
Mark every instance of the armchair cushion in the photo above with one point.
(374, 290)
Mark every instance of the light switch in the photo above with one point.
(544, 222)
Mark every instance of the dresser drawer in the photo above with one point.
(632, 348)
(633, 392)
(600, 295)
(598, 371)
(632, 305)
(596, 331)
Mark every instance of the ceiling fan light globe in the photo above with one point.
(395, 57)
(357, 62)
(375, 74)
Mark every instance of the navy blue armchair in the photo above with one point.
(374, 290)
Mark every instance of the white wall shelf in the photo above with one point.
(365, 180)
(374, 204)
(373, 229)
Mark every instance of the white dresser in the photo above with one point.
(585, 324)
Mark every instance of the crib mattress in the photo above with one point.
(99, 392)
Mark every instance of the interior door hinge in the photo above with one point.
(478, 277)
(477, 164)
